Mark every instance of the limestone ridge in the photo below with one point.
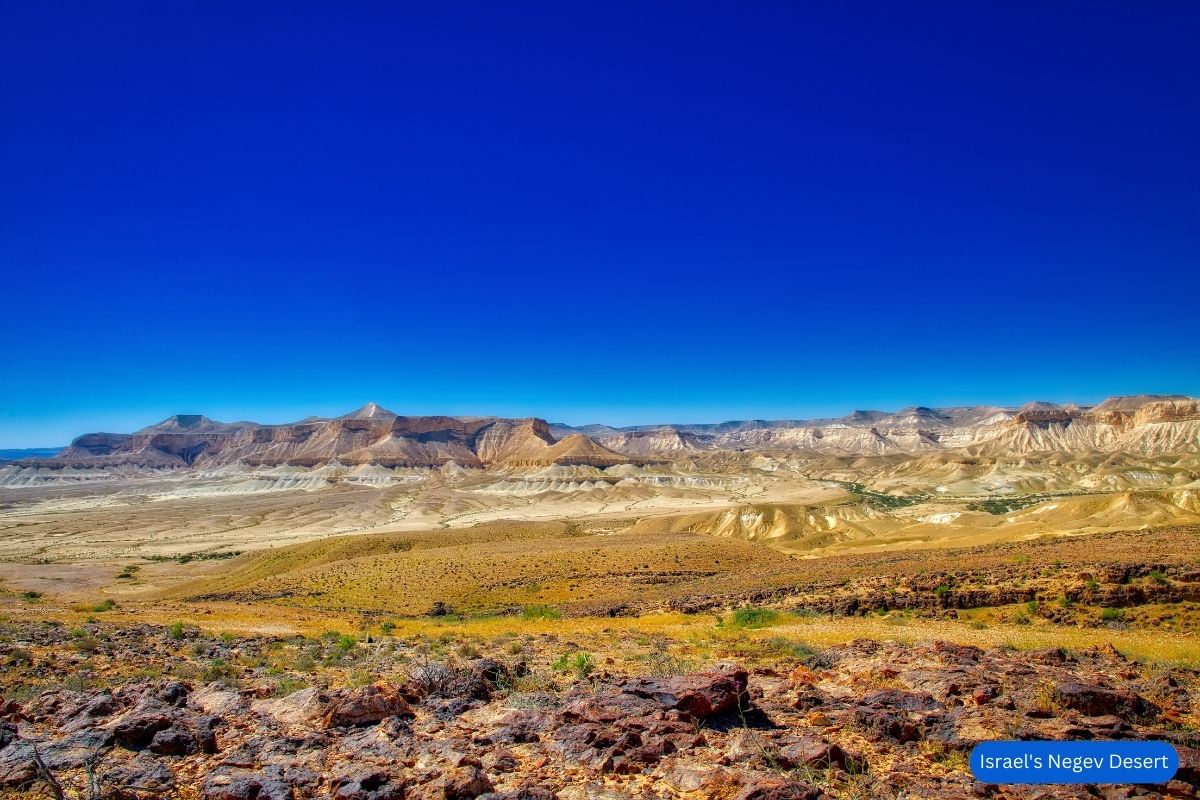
(1144, 424)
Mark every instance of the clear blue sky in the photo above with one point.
(620, 212)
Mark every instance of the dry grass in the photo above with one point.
(494, 567)
(690, 638)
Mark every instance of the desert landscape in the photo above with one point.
(379, 606)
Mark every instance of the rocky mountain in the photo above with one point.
(1146, 425)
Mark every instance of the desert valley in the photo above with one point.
(379, 606)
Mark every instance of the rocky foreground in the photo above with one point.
(866, 719)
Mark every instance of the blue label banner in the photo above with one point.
(1074, 762)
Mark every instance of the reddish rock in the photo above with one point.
(367, 706)
(698, 696)
(811, 751)
(776, 789)
(137, 728)
(143, 773)
(1096, 701)
(369, 785)
(243, 784)
(1189, 764)
(465, 783)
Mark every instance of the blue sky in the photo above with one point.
(619, 212)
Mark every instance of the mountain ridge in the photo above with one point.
(371, 434)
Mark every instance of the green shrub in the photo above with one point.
(755, 617)
(584, 665)
(176, 630)
(1112, 614)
